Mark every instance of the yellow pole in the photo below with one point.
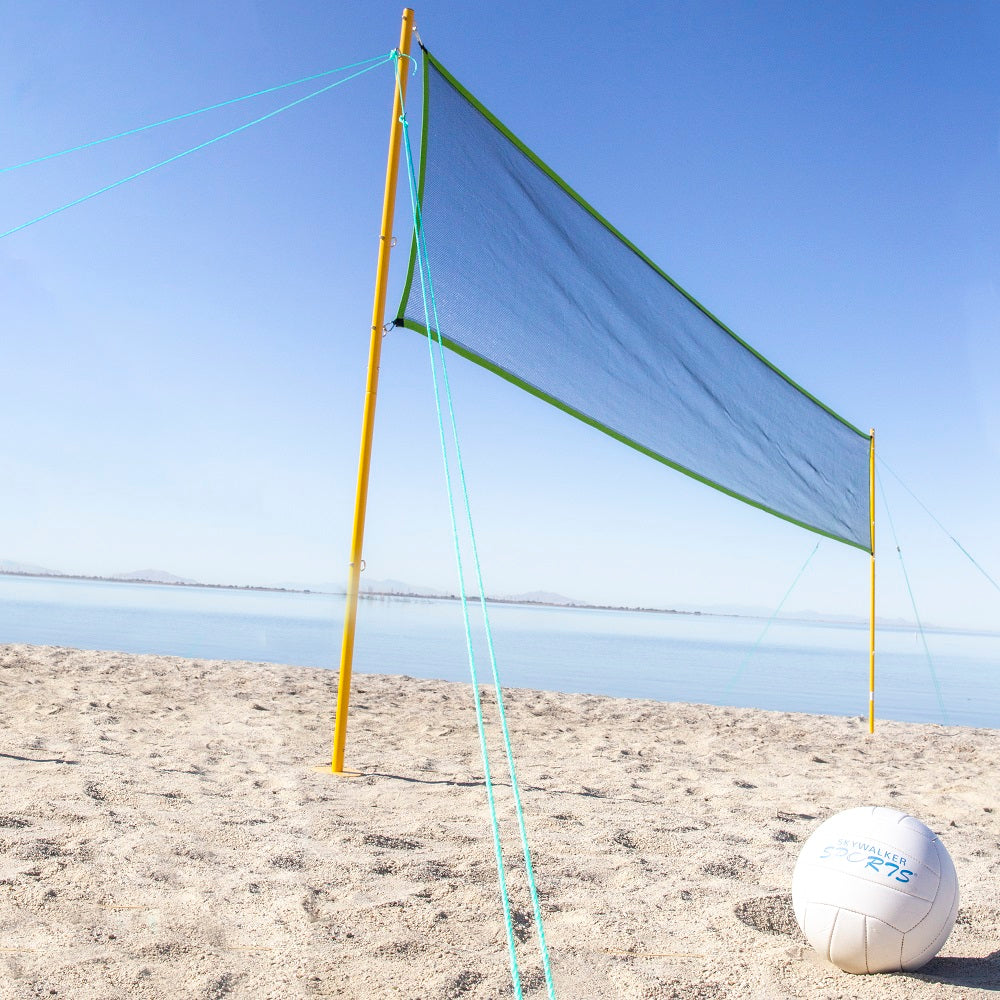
(871, 630)
(371, 391)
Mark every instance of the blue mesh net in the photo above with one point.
(533, 284)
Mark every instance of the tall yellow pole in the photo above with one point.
(871, 629)
(371, 391)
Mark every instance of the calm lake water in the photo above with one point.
(701, 658)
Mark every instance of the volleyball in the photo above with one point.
(875, 890)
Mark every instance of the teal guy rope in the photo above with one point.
(760, 638)
(425, 265)
(940, 525)
(913, 604)
(193, 149)
(487, 774)
(515, 784)
(190, 114)
(501, 710)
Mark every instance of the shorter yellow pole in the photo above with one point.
(871, 630)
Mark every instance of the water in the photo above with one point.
(803, 667)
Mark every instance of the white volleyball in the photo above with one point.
(875, 890)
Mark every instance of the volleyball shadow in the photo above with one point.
(975, 973)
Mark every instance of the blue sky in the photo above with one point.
(184, 357)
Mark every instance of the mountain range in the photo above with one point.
(135, 576)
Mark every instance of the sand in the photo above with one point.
(166, 832)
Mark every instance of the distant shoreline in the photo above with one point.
(529, 602)
(513, 601)
(409, 595)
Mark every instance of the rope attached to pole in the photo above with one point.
(380, 60)
(760, 638)
(961, 547)
(194, 149)
(430, 313)
(913, 604)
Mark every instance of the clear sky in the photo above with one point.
(183, 357)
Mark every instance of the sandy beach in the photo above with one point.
(167, 830)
